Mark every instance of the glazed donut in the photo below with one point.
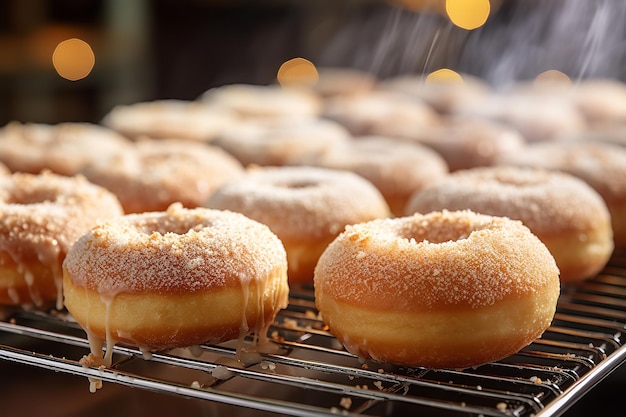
(169, 119)
(306, 207)
(41, 216)
(462, 142)
(177, 278)
(64, 148)
(397, 169)
(569, 216)
(601, 165)
(289, 142)
(264, 102)
(442, 290)
(156, 173)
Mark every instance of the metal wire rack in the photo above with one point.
(308, 373)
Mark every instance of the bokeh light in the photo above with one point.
(444, 75)
(73, 59)
(297, 71)
(468, 14)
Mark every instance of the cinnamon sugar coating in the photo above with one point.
(439, 261)
(548, 203)
(306, 207)
(180, 250)
(63, 148)
(601, 165)
(153, 174)
(41, 216)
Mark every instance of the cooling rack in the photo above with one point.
(304, 371)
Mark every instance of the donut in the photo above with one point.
(569, 216)
(156, 173)
(4, 170)
(306, 207)
(601, 165)
(264, 102)
(41, 216)
(278, 143)
(462, 142)
(63, 148)
(606, 132)
(176, 278)
(338, 81)
(601, 100)
(539, 117)
(441, 290)
(397, 169)
(169, 119)
(367, 113)
(443, 96)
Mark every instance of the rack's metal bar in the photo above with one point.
(583, 346)
(563, 402)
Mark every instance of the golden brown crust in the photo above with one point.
(305, 206)
(41, 216)
(176, 262)
(444, 265)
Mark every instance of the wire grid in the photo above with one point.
(306, 372)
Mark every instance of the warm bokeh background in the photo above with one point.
(179, 48)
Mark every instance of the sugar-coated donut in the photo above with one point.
(442, 290)
(336, 81)
(277, 143)
(569, 216)
(156, 173)
(537, 116)
(601, 100)
(397, 169)
(41, 216)
(601, 165)
(63, 148)
(169, 119)
(444, 95)
(462, 142)
(174, 279)
(264, 102)
(368, 113)
(306, 207)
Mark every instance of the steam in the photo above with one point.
(582, 38)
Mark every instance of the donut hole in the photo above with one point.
(299, 184)
(441, 233)
(169, 228)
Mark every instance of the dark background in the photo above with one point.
(179, 48)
